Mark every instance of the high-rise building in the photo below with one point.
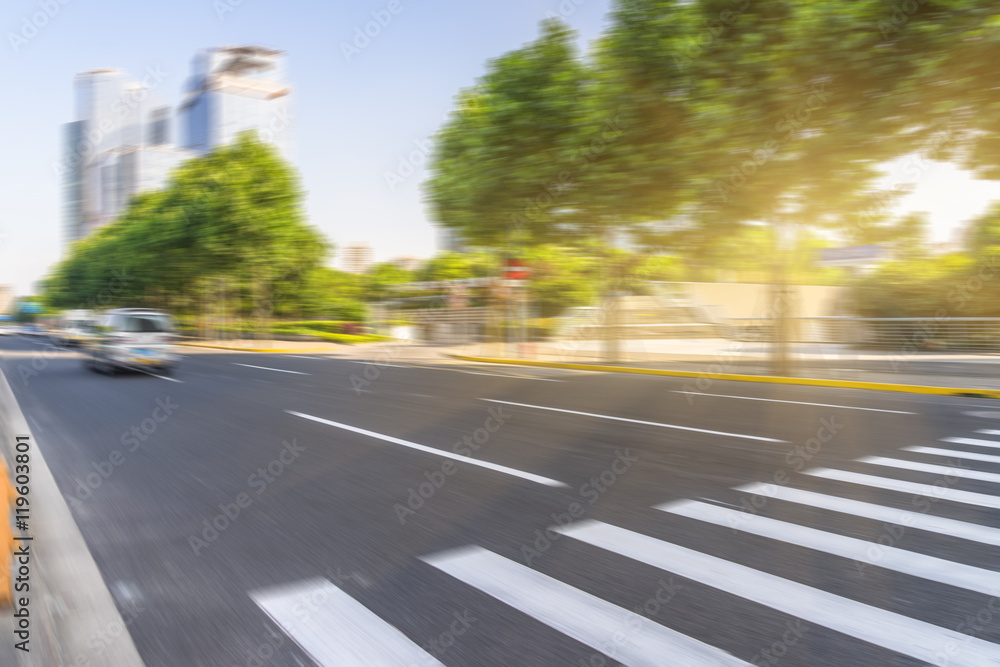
(116, 148)
(357, 258)
(121, 141)
(234, 89)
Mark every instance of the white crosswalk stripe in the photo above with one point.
(973, 441)
(895, 632)
(862, 552)
(336, 630)
(912, 518)
(954, 453)
(932, 468)
(942, 492)
(627, 637)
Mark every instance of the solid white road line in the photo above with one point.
(932, 468)
(988, 431)
(498, 375)
(956, 453)
(437, 452)
(626, 637)
(265, 368)
(635, 421)
(912, 519)
(302, 356)
(973, 441)
(889, 630)
(942, 571)
(929, 490)
(335, 629)
(775, 400)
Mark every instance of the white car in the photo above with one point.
(132, 338)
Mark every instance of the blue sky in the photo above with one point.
(354, 119)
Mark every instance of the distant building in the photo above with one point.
(116, 148)
(407, 263)
(357, 258)
(6, 299)
(234, 89)
(121, 143)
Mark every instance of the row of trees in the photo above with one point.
(718, 114)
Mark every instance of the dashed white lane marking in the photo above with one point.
(162, 377)
(335, 629)
(629, 638)
(431, 450)
(889, 484)
(374, 363)
(913, 519)
(300, 356)
(635, 421)
(265, 368)
(988, 431)
(775, 400)
(909, 636)
(971, 578)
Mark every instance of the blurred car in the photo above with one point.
(32, 330)
(75, 328)
(132, 338)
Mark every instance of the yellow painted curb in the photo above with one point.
(259, 349)
(812, 382)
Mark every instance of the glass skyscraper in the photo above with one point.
(121, 141)
(234, 89)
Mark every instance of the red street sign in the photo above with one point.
(515, 269)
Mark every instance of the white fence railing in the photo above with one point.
(954, 333)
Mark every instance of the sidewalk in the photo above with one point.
(725, 360)
(73, 619)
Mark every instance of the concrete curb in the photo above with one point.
(71, 606)
(810, 382)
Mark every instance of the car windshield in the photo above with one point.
(145, 324)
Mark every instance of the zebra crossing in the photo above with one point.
(336, 629)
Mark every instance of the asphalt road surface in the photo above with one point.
(260, 509)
